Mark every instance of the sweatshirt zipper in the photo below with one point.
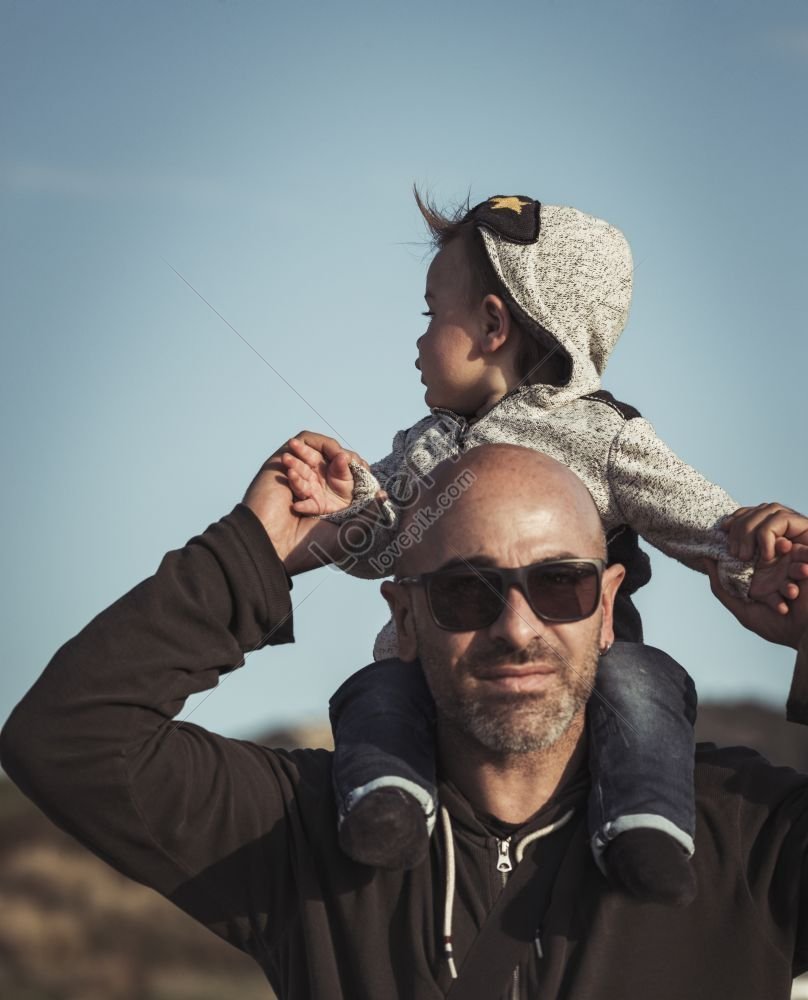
(505, 867)
(504, 859)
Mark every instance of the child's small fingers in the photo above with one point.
(782, 545)
(302, 485)
(296, 474)
(305, 452)
(732, 518)
(775, 525)
(293, 464)
(748, 528)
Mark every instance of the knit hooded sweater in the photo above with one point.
(243, 837)
(639, 486)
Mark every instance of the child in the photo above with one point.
(525, 303)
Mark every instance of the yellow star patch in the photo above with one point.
(513, 204)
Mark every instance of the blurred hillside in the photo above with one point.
(71, 928)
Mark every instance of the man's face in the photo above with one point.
(448, 358)
(517, 685)
(510, 698)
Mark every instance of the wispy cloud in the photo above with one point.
(793, 42)
(104, 185)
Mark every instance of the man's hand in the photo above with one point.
(784, 629)
(271, 499)
(318, 471)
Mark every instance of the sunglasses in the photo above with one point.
(463, 599)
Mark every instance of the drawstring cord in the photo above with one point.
(449, 891)
(544, 832)
(448, 898)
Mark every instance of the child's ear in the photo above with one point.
(496, 323)
(399, 601)
(612, 578)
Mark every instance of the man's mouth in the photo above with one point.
(520, 678)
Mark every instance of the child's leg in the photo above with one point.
(640, 720)
(384, 764)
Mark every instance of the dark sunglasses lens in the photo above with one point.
(464, 601)
(564, 592)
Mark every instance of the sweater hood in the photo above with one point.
(567, 276)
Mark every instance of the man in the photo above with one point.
(243, 838)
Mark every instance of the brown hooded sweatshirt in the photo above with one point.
(242, 837)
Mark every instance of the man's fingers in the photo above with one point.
(327, 447)
(799, 554)
(776, 603)
(798, 571)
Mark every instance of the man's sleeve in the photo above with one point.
(797, 705)
(198, 817)
(772, 832)
(672, 505)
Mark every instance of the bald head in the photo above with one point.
(493, 492)
(508, 507)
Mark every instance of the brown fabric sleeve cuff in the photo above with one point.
(797, 705)
(275, 580)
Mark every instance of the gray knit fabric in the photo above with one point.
(633, 476)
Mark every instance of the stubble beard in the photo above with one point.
(509, 722)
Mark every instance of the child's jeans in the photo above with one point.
(641, 744)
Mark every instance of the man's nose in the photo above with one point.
(517, 624)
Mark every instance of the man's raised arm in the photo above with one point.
(94, 744)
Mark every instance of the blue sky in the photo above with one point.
(267, 153)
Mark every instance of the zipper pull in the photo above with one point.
(537, 943)
(504, 859)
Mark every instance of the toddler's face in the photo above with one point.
(449, 358)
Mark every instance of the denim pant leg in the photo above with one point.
(383, 720)
(641, 746)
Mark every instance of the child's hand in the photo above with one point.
(779, 537)
(319, 475)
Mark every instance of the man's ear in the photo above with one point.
(399, 599)
(496, 323)
(612, 578)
